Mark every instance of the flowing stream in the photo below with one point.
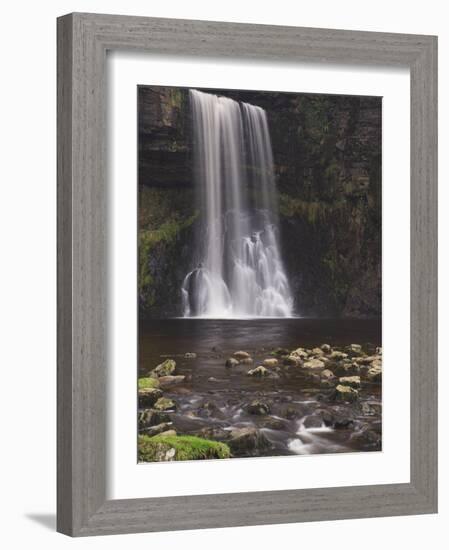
(239, 272)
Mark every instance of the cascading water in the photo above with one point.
(240, 271)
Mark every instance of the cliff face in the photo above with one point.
(327, 154)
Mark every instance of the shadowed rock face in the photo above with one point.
(327, 154)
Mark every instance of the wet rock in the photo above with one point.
(164, 404)
(292, 361)
(294, 412)
(326, 416)
(366, 360)
(313, 364)
(274, 423)
(271, 362)
(167, 381)
(259, 372)
(247, 440)
(317, 352)
(216, 433)
(313, 421)
(346, 393)
(338, 355)
(352, 381)
(231, 362)
(208, 409)
(367, 436)
(326, 348)
(166, 368)
(343, 423)
(242, 355)
(370, 409)
(355, 349)
(374, 373)
(300, 352)
(258, 407)
(149, 417)
(190, 355)
(246, 361)
(347, 369)
(149, 396)
(159, 428)
(213, 379)
(327, 375)
(378, 351)
(328, 382)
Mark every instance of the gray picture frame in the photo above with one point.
(83, 40)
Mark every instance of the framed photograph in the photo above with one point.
(247, 284)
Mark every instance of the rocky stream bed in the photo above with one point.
(263, 401)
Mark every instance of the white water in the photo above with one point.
(240, 271)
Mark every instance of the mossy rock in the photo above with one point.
(179, 447)
(167, 368)
(149, 397)
(148, 382)
(164, 404)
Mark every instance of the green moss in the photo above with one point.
(163, 215)
(145, 383)
(186, 447)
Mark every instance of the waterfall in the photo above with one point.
(239, 272)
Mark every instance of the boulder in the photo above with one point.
(338, 355)
(379, 351)
(352, 381)
(259, 372)
(149, 417)
(366, 360)
(166, 368)
(273, 423)
(326, 416)
(270, 362)
(258, 407)
(326, 348)
(370, 408)
(208, 409)
(190, 355)
(367, 436)
(374, 373)
(317, 352)
(216, 433)
(300, 352)
(343, 423)
(247, 440)
(313, 421)
(149, 396)
(355, 349)
(231, 362)
(246, 361)
(313, 364)
(164, 404)
(159, 428)
(242, 355)
(346, 393)
(292, 361)
(347, 369)
(327, 374)
(167, 381)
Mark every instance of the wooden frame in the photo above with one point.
(83, 40)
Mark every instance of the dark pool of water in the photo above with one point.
(230, 390)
